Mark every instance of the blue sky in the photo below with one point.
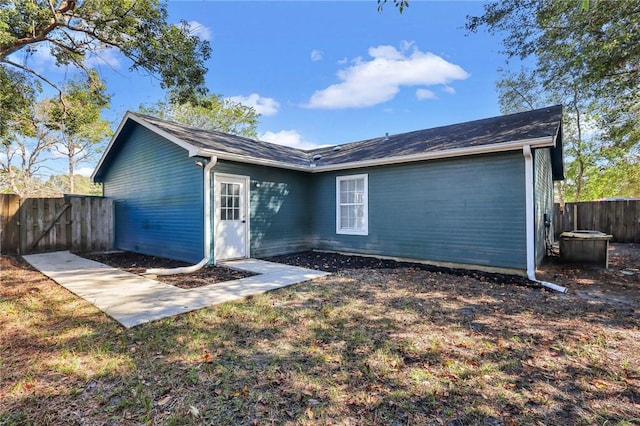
(324, 73)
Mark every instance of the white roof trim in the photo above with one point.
(547, 141)
(260, 161)
(191, 149)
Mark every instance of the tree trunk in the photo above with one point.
(579, 179)
(71, 183)
(560, 192)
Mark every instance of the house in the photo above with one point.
(475, 194)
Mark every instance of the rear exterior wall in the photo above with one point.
(280, 216)
(157, 192)
(468, 210)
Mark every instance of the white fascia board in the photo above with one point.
(110, 144)
(547, 141)
(252, 160)
(191, 149)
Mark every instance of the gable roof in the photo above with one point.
(537, 128)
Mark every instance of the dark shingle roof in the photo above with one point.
(540, 123)
(231, 144)
(507, 128)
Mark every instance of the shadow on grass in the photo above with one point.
(369, 347)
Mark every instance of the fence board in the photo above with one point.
(621, 218)
(87, 225)
(9, 222)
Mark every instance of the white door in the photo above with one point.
(231, 222)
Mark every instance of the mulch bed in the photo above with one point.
(329, 262)
(622, 257)
(138, 264)
(335, 262)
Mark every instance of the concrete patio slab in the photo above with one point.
(133, 300)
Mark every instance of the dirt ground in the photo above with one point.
(617, 285)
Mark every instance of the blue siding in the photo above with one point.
(158, 197)
(280, 217)
(467, 210)
(543, 193)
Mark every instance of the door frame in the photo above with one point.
(217, 177)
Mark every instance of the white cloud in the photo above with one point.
(316, 55)
(262, 105)
(423, 94)
(342, 61)
(287, 138)
(84, 171)
(367, 83)
(200, 30)
(448, 89)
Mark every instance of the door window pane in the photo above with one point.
(229, 201)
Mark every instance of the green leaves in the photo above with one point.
(17, 94)
(401, 5)
(585, 55)
(139, 29)
(208, 112)
(596, 47)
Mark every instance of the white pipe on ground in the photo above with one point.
(530, 223)
(207, 229)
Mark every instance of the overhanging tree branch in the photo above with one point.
(36, 74)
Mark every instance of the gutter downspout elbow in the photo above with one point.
(530, 222)
(207, 229)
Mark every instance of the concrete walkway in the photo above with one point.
(132, 300)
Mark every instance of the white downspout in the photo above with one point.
(207, 229)
(530, 222)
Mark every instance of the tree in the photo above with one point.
(17, 94)
(587, 58)
(598, 47)
(209, 112)
(596, 168)
(78, 122)
(82, 185)
(73, 30)
(23, 156)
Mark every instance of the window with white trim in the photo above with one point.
(352, 205)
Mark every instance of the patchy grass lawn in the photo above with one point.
(402, 346)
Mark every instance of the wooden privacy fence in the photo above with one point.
(618, 218)
(36, 225)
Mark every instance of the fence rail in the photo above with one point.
(35, 225)
(618, 218)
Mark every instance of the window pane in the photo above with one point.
(223, 214)
(236, 189)
(352, 204)
(236, 214)
(359, 217)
